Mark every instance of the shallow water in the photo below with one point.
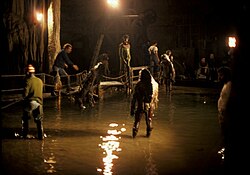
(98, 140)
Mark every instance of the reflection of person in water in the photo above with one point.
(140, 104)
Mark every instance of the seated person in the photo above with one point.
(203, 70)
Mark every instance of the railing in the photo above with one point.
(134, 73)
(13, 84)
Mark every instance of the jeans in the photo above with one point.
(61, 72)
(35, 110)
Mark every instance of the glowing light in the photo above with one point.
(110, 144)
(231, 41)
(114, 132)
(39, 16)
(113, 124)
(51, 163)
(123, 129)
(222, 153)
(113, 3)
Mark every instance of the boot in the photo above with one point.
(148, 132)
(134, 132)
(149, 124)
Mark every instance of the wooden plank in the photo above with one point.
(111, 83)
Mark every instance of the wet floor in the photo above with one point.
(185, 138)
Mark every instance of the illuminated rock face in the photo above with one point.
(28, 37)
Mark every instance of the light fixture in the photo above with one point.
(39, 16)
(231, 41)
(113, 3)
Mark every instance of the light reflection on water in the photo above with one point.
(151, 166)
(51, 163)
(110, 144)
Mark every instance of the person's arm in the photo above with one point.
(26, 89)
(68, 61)
(157, 55)
(75, 67)
(120, 52)
(173, 71)
(133, 102)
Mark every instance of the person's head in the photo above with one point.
(30, 69)
(168, 52)
(154, 42)
(144, 75)
(224, 74)
(211, 56)
(203, 60)
(104, 58)
(67, 47)
(125, 38)
(165, 57)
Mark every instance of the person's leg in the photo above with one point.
(63, 73)
(81, 98)
(38, 119)
(121, 67)
(148, 119)
(25, 123)
(168, 85)
(138, 116)
(55, 79)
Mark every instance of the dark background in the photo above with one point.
(191, 29)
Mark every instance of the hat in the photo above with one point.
(30, 68)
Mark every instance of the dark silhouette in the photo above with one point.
(140, 104)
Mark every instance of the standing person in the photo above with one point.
(33, 102)
(224, 77)
(62, 62)
(124, 55)
(167, 70)
(212, 68)
(146, 55)
(154, 60)
(140, 104)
